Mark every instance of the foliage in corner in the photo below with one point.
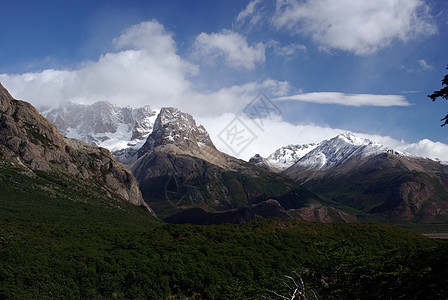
(443, 93)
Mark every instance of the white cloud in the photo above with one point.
(250, 15)
(421, 65)
(144, 69)
(424, 65)
(349, 99)
(147, 69)
(287, 50)
(232, 46)
(231, 99)
(410, 92)
(277, 133)
(362, 26)
(427, 148)
(274, 134)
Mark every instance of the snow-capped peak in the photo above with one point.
(350, 138)
(104, 124)
(175, 127)
(285, 157)
(324, 155)
(338, 150)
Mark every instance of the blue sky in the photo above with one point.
(378, 59)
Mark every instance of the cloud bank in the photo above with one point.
(145, 68)
(348, 99)
(277, 133)
(362, 27)
(232, 46)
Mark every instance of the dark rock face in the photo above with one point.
(385, 186)
(5, 98)
(263, 163)
(31, 140)
(181, 173)
(175, 127)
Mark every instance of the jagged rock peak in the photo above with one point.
(263, 163)
(175, 127)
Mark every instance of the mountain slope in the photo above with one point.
(32, 144)
(377, 181)
(179, 168)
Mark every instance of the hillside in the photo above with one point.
(368, 180)
(30, 144)
(179, 168)
(70, 228)
(380, 183)
(54, 247)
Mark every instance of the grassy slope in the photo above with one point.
(72, 245)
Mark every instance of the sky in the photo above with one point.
(314, 68)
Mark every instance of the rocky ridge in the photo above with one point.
(378, 181)
(30, 140)
(184, 177)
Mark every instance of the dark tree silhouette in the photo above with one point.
(442, 93)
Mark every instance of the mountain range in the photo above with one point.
(103, 124)
(75, 224)
(181, 173)
(184, 178)
(378, 182)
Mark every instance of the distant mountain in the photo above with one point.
(175, 161)
(263, 163)
(341, 149)
(34, 146)
(379, 182)
(283, 157)
(104, 124)
(184, 177)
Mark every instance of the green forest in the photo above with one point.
(78, 246)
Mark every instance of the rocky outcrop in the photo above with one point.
(175, 127)
(263, 163)
(383, 187)
(179, 168)
(5, 98)
(28, 137)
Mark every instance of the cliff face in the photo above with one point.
(182, 174)
(32, 141)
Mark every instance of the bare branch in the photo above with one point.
(298, 291)
(278, 295)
